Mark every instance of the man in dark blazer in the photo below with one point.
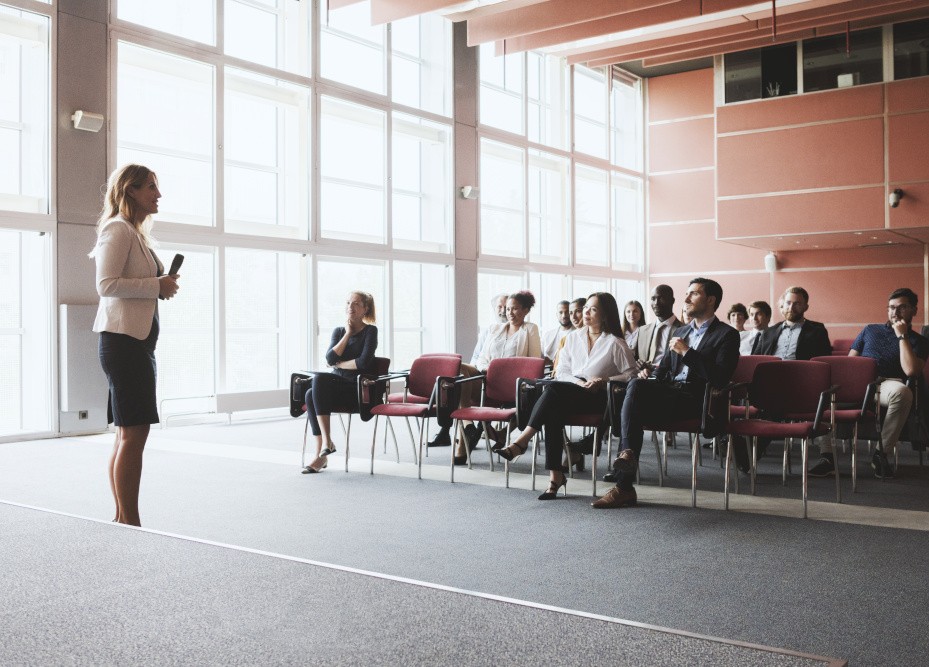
(704, 351)
(796, 337)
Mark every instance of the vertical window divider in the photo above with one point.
(219, 160)
(887, 52)
(220, 379)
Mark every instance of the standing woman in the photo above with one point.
(129, 281)
(351, 352)
(633, 319)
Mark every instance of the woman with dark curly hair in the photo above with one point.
(590, 357)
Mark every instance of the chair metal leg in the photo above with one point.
(306, 428)
(348, 437)
(664, 449)
(374, 440)
(410, 429)
(342, 423)
(506, 464)
(838, 476)
(490, 453)
(661, 467)
(804, 455)
(694, 461)
(396, 444)
(419, 459)
(593, 465)
(854, 458)
(786, 462)
(535, 454)
(456, 430)
(726, 474)
(754, 462)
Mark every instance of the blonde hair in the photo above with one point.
(118, 203)
(368, 301)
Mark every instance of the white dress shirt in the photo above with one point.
(551, 341)
(524, 343)
(610, 357)
(748, 340)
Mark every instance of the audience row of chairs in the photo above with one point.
(767, 399)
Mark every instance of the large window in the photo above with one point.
(27, 389)
(503, 200)
(24, 111)
(352, 51)
(502, 101)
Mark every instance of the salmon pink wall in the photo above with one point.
(767, 156)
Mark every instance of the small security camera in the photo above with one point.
(894, 198)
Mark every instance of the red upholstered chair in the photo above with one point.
(784, 390)
(410, 395)
(370, 392)
(854, 401)
(498, 397)
(744, 372)
(841, 346)
(420, 380)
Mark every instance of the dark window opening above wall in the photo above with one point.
(836, 62)
(911, 49)
(761, 73)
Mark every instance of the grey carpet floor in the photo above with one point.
(816, 587)
(87, 593)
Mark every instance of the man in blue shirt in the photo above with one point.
(900, 353)
(706, 351)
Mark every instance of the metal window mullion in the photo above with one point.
(219, 161)
(388, 140)
(572, 224)
(220, 372)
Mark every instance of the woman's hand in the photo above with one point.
(593, 384)
(351, 327)
(167, 286)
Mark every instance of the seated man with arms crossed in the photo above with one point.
(900, 352)
(704, 351)
(796, 337)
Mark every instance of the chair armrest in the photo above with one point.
(825, 399)
(461, 379)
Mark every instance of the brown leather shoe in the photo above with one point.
(615, 497)
(625, 462)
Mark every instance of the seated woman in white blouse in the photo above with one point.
(514, 338)
(592, 355)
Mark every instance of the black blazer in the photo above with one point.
(813, 341)
(714, 361)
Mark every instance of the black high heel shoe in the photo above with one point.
(552, 492)
(510, 453)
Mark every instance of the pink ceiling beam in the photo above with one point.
(728, 39)
(385, 11)
(553, 14)
(641, 19)
(339, 4)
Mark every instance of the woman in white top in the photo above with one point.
(592, 355)
(129, 282)
(633, 319)
(514, 338)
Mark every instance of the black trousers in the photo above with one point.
(558, 402)
(329, 393)
(652, 401)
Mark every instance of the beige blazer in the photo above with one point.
(127, 281)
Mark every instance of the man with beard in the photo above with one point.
(551, 339)
(900, 353)
(796, 337)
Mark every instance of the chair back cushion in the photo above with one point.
(841, 346)
(427, 368)
(745, 371)
(784, 387)
(502, 374)
(852, 374)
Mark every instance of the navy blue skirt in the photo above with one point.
(129, 364)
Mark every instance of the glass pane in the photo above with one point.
(353, 191)
(186, 343)
(25, 118)
(351, 49)
(25, 332)
(501, 94)
(264, 330)
(421, 71)
(827, 64)
(549, 289)
(549, 207)
(423, 311)
(628, 223)
(422, 184)
(911, 49)
(590, 112)
(626, 124)
(267, 155)
(592, 233)
(547, 99)
(502, 199)
(152, 89)
(584, 287)
(251, 33)
(335, 279)
(192, 19)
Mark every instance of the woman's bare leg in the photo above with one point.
(111, 473)
(127, 471)
(325, 426)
